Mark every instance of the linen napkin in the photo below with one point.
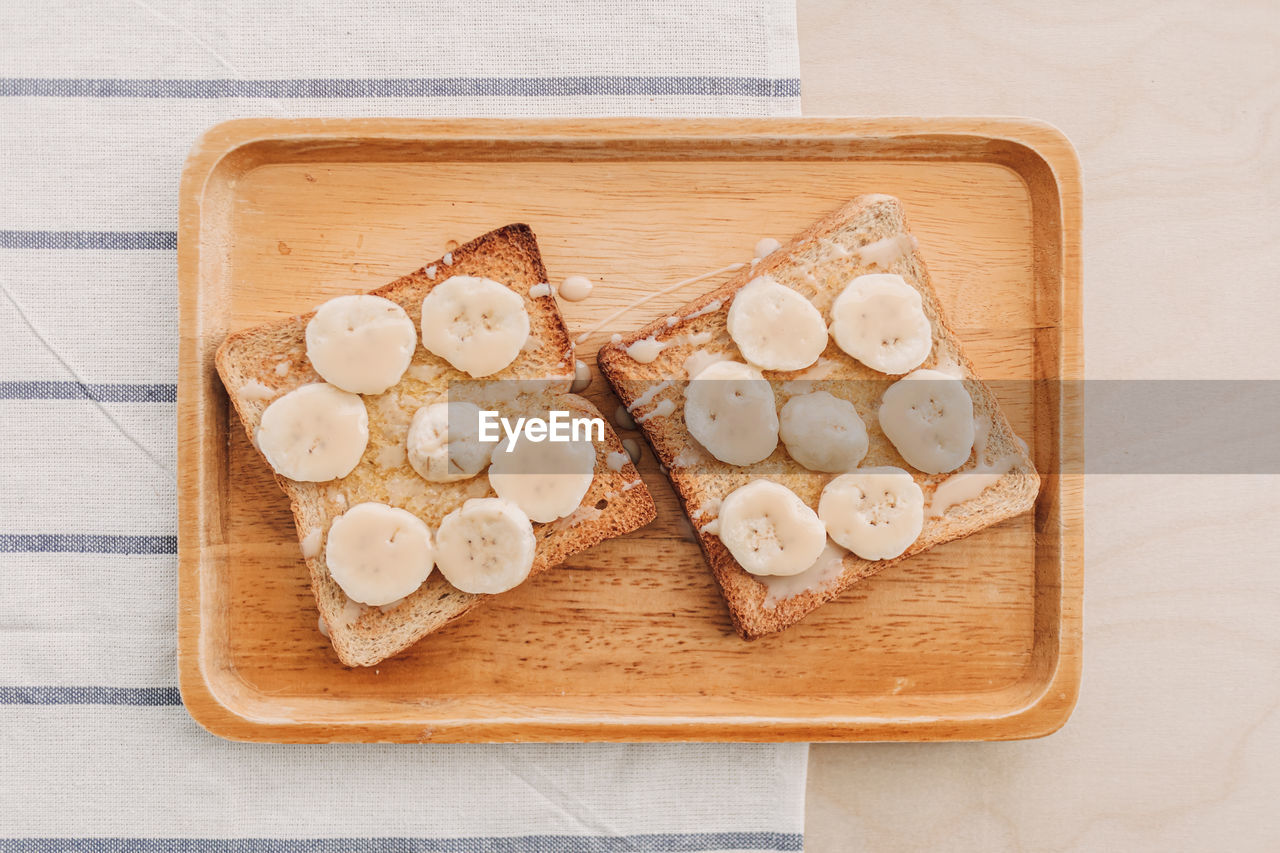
(99, 104)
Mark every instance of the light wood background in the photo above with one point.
(1174, 108)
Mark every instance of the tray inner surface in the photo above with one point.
(636, 625)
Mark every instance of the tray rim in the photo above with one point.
(1044, 711)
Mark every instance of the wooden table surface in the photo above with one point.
(1174, 108)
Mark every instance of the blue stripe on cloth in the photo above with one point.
(145, 696)
(407, 87)
(89, 240)
(86, 543)
(684, 842)
(101, 392)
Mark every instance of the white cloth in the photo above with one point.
(99, 104)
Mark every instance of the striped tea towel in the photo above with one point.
(99, 103)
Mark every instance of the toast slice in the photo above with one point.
(817, 263)
(259, 364)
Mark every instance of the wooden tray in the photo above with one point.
(977, 639)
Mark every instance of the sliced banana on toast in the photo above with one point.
(361, 343)
(730, 409)
(314, 433)
(379, 553)
(769, 530)
(860, 269)
(877, 513)
(547, 480)
(879, 319)
(823, 432)
(443, 444)
(774, 327)
(475, 315)
(486, 546)
(928, 415)
(475, 324)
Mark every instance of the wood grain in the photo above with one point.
(975, 639)
(1174, 108)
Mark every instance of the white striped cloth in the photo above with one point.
(99, 103)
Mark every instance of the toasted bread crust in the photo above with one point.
(817, 263)
(272, 356)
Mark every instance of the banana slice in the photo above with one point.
(444, 443)
(362, 344)
(874, 512)
(774, 327)
(928, 415)
(823, 432)
(314, 433)
(485, 546)
(546, 479)
(730, 409)
(879, 320)
(379, 553)
(475, 324)
(769, 530)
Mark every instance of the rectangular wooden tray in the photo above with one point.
(977, 639)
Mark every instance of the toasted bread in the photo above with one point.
(817, 264)
(259, 364)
